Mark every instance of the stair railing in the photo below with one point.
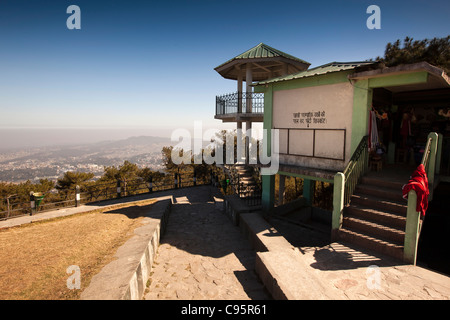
(430, 158)
(345, 182)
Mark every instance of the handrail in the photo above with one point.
(345, 182)
(426, 153)
(356, 167)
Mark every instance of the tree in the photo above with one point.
(72, 179)
(435, 51)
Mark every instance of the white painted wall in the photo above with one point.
(320, 107)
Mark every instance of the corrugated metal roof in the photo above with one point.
(263, 51)
(320, 70)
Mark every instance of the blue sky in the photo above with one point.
(148, 66)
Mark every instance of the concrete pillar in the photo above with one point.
(249, 89)
(338, 204)
(239, 89)
(281, 185)
(248, 129)
(411, 230)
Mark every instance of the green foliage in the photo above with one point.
(71, 179)
(435, 51)
(132, 180)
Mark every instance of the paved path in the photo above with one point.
(203, 255)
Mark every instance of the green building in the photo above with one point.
(360, 126)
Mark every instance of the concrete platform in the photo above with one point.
(336, 271)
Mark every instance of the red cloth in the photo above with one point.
(419, 183)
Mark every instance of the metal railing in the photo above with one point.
(345, 182)
(250, 194)
(240, 102)
(15, 206)
(356, 168)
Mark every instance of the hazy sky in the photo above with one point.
(148, 66)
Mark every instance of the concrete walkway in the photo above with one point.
(203, 255)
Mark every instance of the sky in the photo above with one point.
(147, 67)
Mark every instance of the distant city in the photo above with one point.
(51, 162)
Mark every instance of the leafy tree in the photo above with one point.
(72, 179)
(435, 51)
(66, 185)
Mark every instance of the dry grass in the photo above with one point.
(34, 257)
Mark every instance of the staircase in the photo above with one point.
(248, 184)
(376, 216)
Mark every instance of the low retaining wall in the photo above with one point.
(126, 277)
(278, 264)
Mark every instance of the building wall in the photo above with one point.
(315, 124)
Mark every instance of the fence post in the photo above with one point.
(195, 178)
(77, 196)
(175, 181)
(151, 184)
(118, 189)
(32, 203)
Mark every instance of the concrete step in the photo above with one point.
(365, 212)
(380, 192)
(375, 230)
(384, 183)
(398, 207)
(371, 243)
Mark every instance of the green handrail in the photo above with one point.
(356, 167)
(345, 182)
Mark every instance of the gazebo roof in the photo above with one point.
(267, 62)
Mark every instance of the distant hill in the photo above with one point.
(52, 161)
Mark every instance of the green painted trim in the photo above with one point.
(338, 201)
(399, 79)
(302, 176)
(268, 193)
(308, 191)
(431, 168)
(268, 181)
(268, 116)
(320, 80)
(362, 102)
(411, 229)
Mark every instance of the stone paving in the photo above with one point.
(203, 256)
(347, 273)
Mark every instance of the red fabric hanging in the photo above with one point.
(419, 183)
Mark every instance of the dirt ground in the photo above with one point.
(34, 258)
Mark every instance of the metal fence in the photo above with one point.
(15, 206)
(250, 102)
